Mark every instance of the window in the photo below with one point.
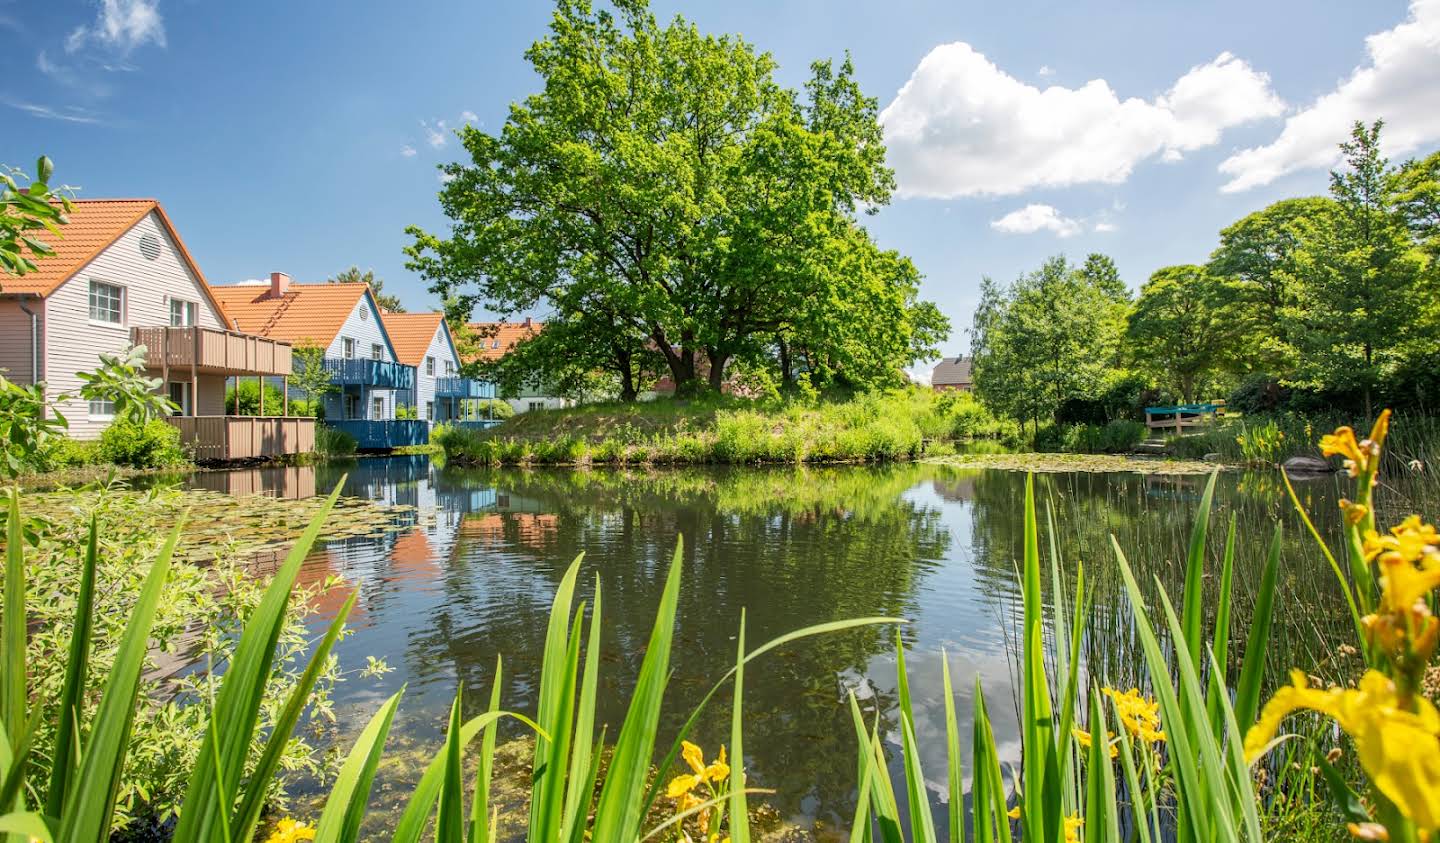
(494, 343)
(101, 409)
(377, 407)
(106, 302)
(430, 411)
(349, 346)
(180, 397)
(376, 351)
(352, 406)
(449, 367)
(430, 366)
(182, 313)
(537, 405)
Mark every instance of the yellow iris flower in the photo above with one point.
(290, 831)
(1399, 748)
(1360, 457)
(1083, 738)
(1072, 828)
(1140, 716)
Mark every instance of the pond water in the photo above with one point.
(472, 571)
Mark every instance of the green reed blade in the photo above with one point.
(450, 813)
(1221, 647)
(586, 789)
(922, 824)
(66, 758)
(345, 806)
(13, 679)
(1252, 667)
(1072, 688)
(1101, 808)
(253, 800)
(578, 792)
(618, 815)
(1242, 791)
(1040, 810)
(739, 809)
(1194, 595)
(555, 711)
(1133, 788)
(89, 808)
(26, 826)
(987, 789)
(480, 802)
(887, 809)
(860, 831)
(237, 706)
(954, 776)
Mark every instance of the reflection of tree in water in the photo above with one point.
(1151, 517)
(795, 547)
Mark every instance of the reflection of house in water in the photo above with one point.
(413, 557)
(290, 482)
(535, 531)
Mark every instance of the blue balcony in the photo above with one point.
(457, 387)
(384, 435)
(476, 424)
(366, 372)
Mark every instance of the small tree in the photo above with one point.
(310, 375)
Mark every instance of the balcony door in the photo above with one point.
(180, 397)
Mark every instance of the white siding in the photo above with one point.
(442, 350)
(364, 327)
(15, 339)
(73, 343)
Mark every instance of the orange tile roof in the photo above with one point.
(93, 225)
(494, 340)
(411, 334)
(307, 313)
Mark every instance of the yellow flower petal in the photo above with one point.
(693, 756)
(681, 785)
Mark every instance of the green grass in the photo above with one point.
(874, 427)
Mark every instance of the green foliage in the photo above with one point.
(1117, 436)
(121, 379)
(1049, 337)
(331, 442)
(646, 166)
(494, 408)
(250, 399)
(406, 411)
(310, 377)
(353, 275)
(151, 444)
(84, 577)
(1184, 328)
(27, 432)
(25, 211)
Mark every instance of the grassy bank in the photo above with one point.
(875, 427)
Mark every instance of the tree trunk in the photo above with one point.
(717, 369)
(787, 375)
(625, 365)
(681, 364)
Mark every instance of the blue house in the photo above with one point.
(441, 395)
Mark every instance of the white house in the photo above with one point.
(424, 342)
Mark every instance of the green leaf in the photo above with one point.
(345, 806)
(1252, 668)
(67, 748)
(450, 823)
(739, 809)
(1194, 596)
(556, 711)
(13, 680)
(922, 824)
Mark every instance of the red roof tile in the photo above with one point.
(411, 334)
(307, 313)
(493, 340)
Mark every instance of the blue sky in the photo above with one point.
(303, 136)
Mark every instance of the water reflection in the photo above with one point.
(472, 573)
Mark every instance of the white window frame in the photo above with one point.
(537, 405)
(105, 412)
(377, 351)
(377, 407)
(120, 303)
(352, 406)
(430, 411)
(347, 348)
(430, 366)
(189, 313)
(449, 368)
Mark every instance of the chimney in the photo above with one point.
(527, 321)
(279, 284)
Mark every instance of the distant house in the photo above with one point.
(121, 276)
(423, 341)
(952, 374)
(344, 319)
(494, 340)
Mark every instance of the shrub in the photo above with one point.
(152, 444)
(332, 442)
(250, 399)
(494, 408)
(1258, 393)
(72, 453)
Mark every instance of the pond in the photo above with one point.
(471, 574)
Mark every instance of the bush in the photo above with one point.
(71, 453)
(494, 408)
(152, 444)
(1258, 393)
(332, 442)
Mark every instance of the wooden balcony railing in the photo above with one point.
(212, 351)
(217, 438)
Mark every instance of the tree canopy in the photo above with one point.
(663, 191)
(1183, 328)
(353, 275)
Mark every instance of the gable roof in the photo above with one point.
(411, 334)
(306, 313)
(496, 339)
(94, 225)
(951, 371)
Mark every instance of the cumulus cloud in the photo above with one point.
(408, 151)
(122, 25)
(1399, 83)
(1046, 70)
(435, 133)
(961, 126)
(1103, 227)
(1033, 218)
(469, 117)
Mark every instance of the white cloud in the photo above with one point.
(408, 151)
(1400, 84)
(435, 133)
(122, 25)
(1105, 227)
(68, 114)
(1033, 218)
(961, 126)
(444, 177)
(469, 117)
(1045, 70)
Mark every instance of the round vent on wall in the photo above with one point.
(150, 247)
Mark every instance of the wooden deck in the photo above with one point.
(213, 352)
(1183, 417)
(218, 438)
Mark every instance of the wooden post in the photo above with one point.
(195, 373)
(165, 363)
(285, 395)
(260, 382)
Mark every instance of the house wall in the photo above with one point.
(73, 343)
(442, 349)
(15, 339)
(362, 325)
